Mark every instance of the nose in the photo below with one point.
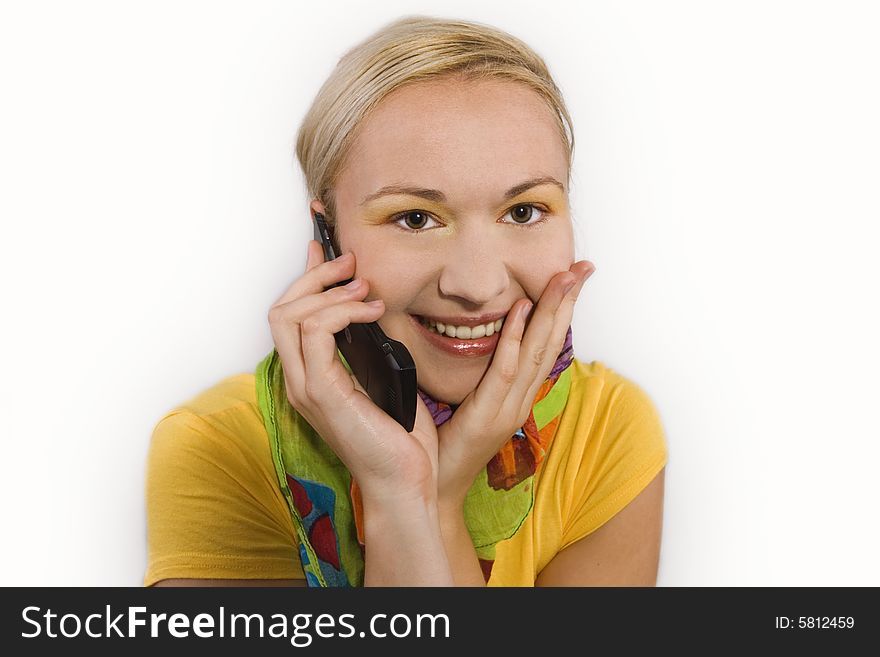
(474, 270)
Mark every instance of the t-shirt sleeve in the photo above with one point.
(625, 450)
(214, 509)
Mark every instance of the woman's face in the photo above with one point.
(468, 248)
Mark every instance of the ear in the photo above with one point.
(317, 206)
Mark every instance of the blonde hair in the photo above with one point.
(407, 50)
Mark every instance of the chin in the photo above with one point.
(450, 395)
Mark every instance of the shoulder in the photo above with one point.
(229, 401)
(606, 405)
(213, 503)
(214, 446)
(220, 424)
(611, 445)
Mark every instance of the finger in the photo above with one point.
(490, 394)
(537, 342)
(554, 308)
(314, 254)
(288, 319)
(563, 319)
(554, 340)
(583, 269)
(322, 366)
(319, 275)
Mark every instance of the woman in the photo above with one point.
(440, 152)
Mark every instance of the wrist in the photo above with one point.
(384, 495)
(452, 494)
(451, 505)
(404, 543)
(455, 478)
(410, 504)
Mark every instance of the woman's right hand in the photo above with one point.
(387, 462)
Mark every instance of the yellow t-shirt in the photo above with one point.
(215, 510)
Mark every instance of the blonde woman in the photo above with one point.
(440, 153)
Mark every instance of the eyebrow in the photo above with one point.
(439, 197)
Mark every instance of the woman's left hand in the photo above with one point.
(500, 405)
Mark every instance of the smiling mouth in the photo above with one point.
(462, 332)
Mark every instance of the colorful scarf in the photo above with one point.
(325, 501)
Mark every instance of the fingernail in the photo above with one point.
(356, 283)
(525, 310)
(345, 257)
(375, 303)
(580, 280)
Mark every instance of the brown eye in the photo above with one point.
(525, 213)
(412, 221)
(522, 213)
(418, 219)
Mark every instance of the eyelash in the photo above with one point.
(416, 231)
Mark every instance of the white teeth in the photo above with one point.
(464, 332)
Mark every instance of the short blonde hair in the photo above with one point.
(407, 50)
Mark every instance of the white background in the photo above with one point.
(725, 185)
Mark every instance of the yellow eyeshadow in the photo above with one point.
(390, 205)
(380, 209)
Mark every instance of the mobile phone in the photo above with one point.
(384, 367)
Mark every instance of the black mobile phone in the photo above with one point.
(384, 367)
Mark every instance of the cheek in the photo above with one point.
(551, 247)
(541, 268)
(396, 281)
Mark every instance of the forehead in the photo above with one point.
(441, 132)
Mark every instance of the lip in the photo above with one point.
(457, 347)
(468, 321)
